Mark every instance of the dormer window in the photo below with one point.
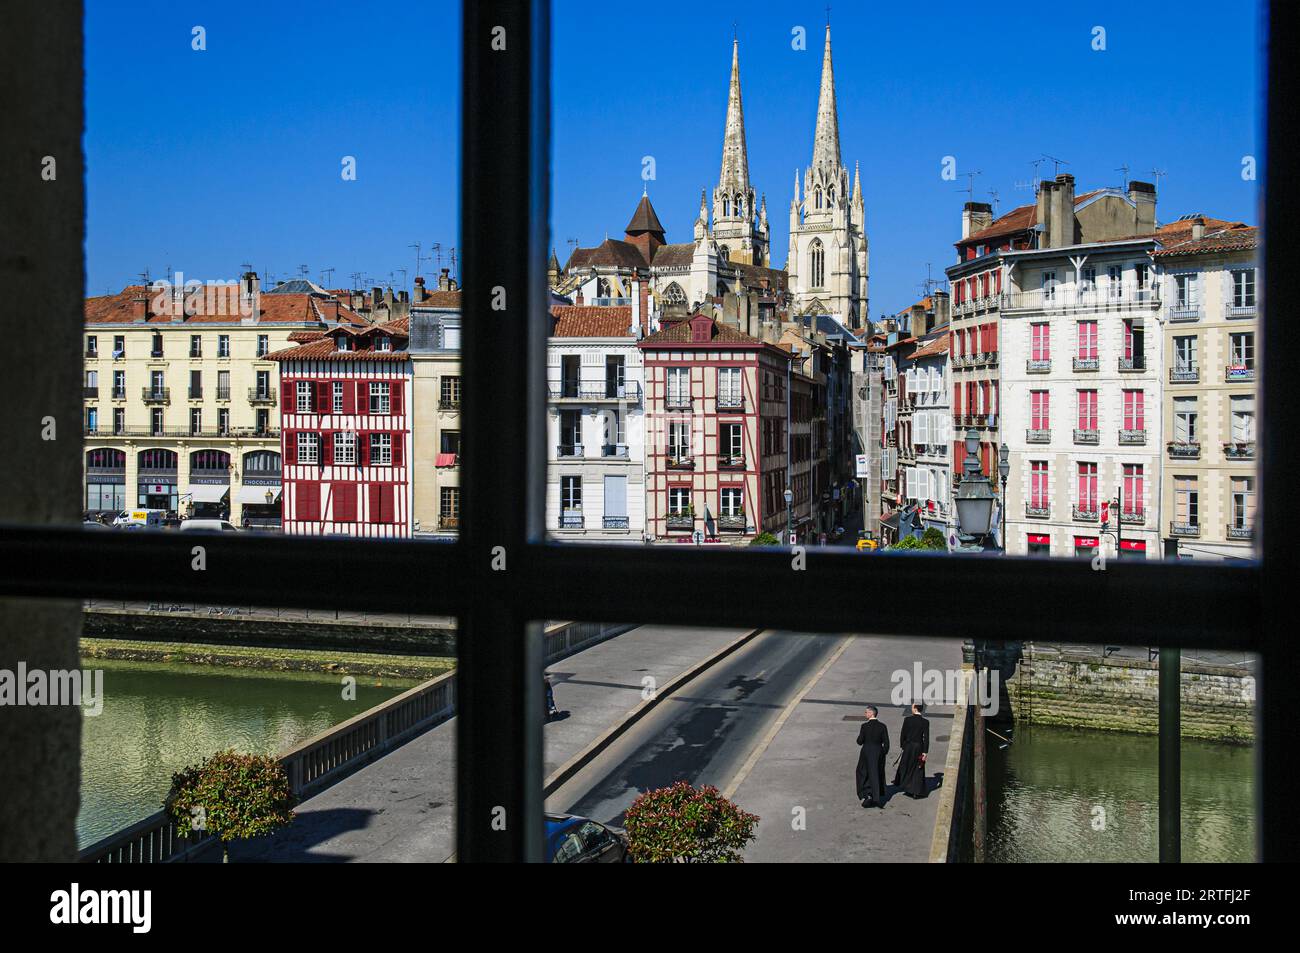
(341, 342)
(383, 343)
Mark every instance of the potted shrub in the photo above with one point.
(684, 824)
(231, 796)
(765, 539)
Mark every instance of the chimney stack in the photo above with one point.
(420, 293)
(637, 304)
(1143, 195)
(1063, 221)
(1198, 229)
(975, 216)
(444, 280)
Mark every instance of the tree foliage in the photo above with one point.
(765, 539)
(232, 796)
(683, 824)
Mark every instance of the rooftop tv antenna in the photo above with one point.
(993, 194)
(1057, 163)
(1156, 174)
(304, 271)
(356, 280)
(453, 261)
(246, 266)
(1124, 169)
(402, 271)
(419, 258)
(970, 188)
(327, 274)
(436, 248)
(930, 283)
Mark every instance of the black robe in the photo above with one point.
(874, 739)
(914, 739)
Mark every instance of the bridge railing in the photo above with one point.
(336, 752)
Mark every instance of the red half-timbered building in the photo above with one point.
(717, 429)
(346, 432)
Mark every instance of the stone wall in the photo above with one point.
(1080, 690)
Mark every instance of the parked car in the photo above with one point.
(141, 517)
(208, 526)
(580, 840)
(867, 542)
(94, 524)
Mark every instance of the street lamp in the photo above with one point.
(1004, 468)
(974, 497)
(789, 514)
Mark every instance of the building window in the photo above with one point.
(1087, 340)
(731, 443)
(1039, 410)
(1241, 348)
(729, 387)
(679, 441)
(1087, 410)
(679, 501)
(1049, 286)
(92, 419)
(381, 449)
(449, 442)
(571, 493)
(1040, 337)
(731, 501)
(304, 397)
(263, 384)
(449, 391)
(92, 346)
(1039, 485)
(156, 421)
(308, 447)
(345, 448)
(223, 345)
(817, 254)
(1088, 487)
(196, 420)
(1186, 502)
(223, 385)
(383, 342)
(1187, 294)
(1243, 418)
(119, 420)
(679, 386)
(1243, 502)
(119, 385)
(223, 421)
(1185, 353)
(336, 397)
(1115, 282)
(379, 397)
(1135, 410)
(1243, 288)
(156, 348)
(449, 502)
(196, 345)
(1088, 282)
(1185, 420)
(263, 345)
(196, 385)
(1134, 488)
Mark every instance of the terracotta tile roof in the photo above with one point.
(1220, 236)
(1018, 220)
(591, 321)
(610, 253)
(439, 299)
(754, 274)
(121, 308)
(933, 348)
(679, 332)
(323, 347)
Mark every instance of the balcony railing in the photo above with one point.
(732, 522)
(259, 396)
(572, 520)
(449, 405)
(1184, 312)
(1087, 363)
(1239, 450)
(1132, 365)
(616, 450)
(678, 401)
(265, 433)
(448, 522)
(1235, 373)
(731, 401)
(1085, 514)
(91, 392)
(569, 450)
(196, 393)
(223, 393)
(119, 393)
(1184, 529)
(1240, 310)
(1184, 375)
(1132, 438)
(1038, 367)
(1240, 532)
(615, 522)
(595, 393)
(1069, 299)
(157, 395)
(1134, 517)
(731, 462)
(1037, 512)
(1087, 437)
(680, 521)
(1184, 449)
(196, 352)
(681, 462)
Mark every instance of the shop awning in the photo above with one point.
(208, 493)
(890, 520)
(256, 495)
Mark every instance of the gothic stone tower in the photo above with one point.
(739, 225)
(827, 265)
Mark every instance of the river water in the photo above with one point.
(159, 717)
(1061, 794)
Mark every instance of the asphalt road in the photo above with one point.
(704, 733)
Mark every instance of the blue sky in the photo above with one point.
(205, 160)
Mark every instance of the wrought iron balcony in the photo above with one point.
(1184, 312)
(576, 392)
(1132, 438)
(195, 393)
(1236, 373)
(448, 522)
(1240, 310)
(1132, 365)
(1134, 517)
(1087, 363)
(732, 522)
(731, 462)
(1066, 298)
(1184, 529)
(615, 450)
(91, 392)
(1184, 449)
(678, 401)
(569, 450)
(1085, 514)
(681, 462)
(1239, 451)
(572, 520)
(1240, 532)
(259, 396)
(1087, 437)
(223, 393)
(1184, 375)
(449, 405)
(119, 393)
(731, 401)
(680, 521)
(157, 395)
(615, 522)
(196, 352)
(1037, 512)
(1038, 367)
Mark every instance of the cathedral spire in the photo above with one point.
(826, 140)
(735, 160)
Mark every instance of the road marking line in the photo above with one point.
(757, 753)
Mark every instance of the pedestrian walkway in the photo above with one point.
(802, 784)
(401, 808)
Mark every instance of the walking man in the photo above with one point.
(914, 739)
(873, 737)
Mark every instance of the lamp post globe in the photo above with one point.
(974, 497)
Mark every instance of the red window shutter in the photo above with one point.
(376, 503)
(395, 390)
(287, 403)
(349, 400)
(322, 397)
(363, 449)
(290, 447)
(326, 448)
(956, 402)
(308, 505)
(345, 502)
(363, 400)
(397, 448)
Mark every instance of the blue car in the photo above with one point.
(580, 840)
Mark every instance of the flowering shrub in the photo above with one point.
(764, 539)
(232, 796)
(683, 824)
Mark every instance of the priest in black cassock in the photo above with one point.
(915, 742)
(873, 737)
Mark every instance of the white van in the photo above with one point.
(153, 519)
(208, 526)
